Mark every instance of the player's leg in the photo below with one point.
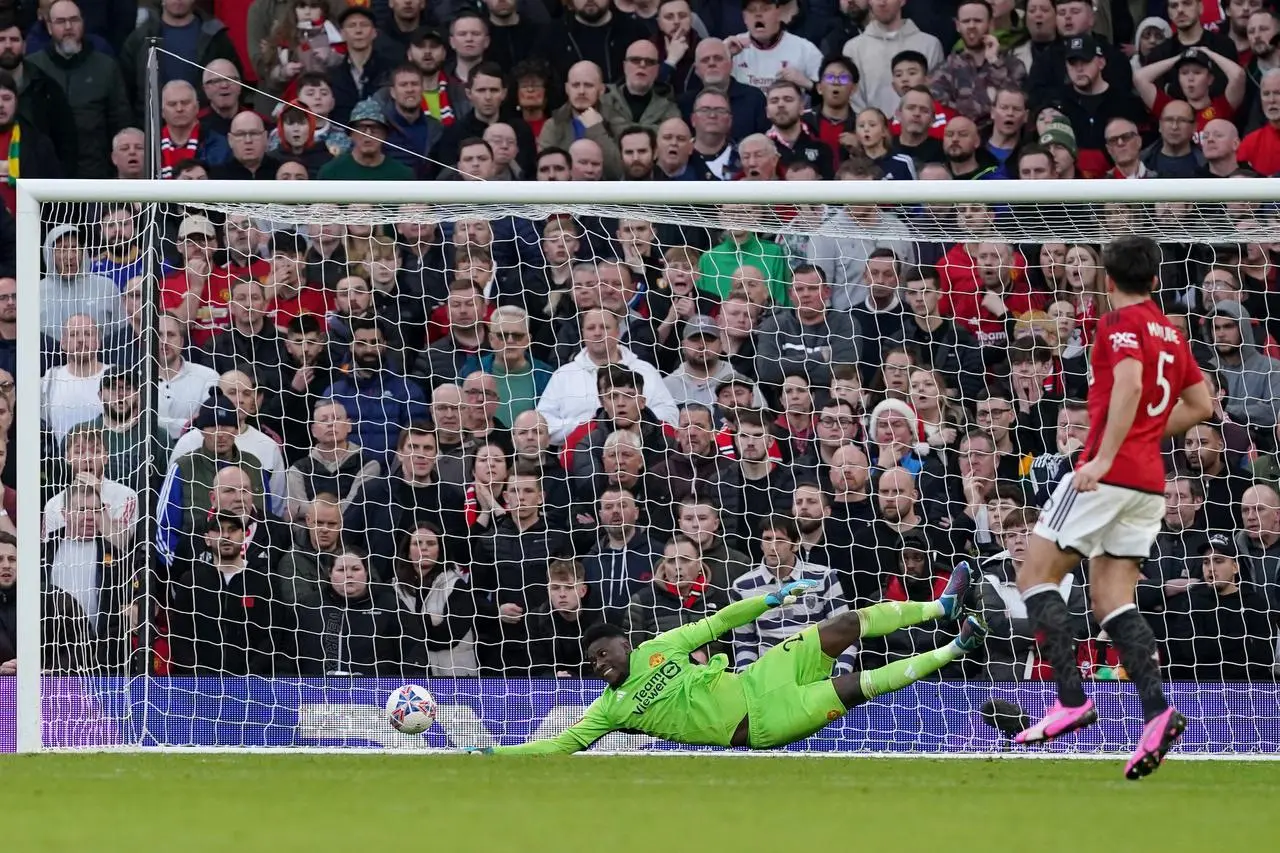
(846, 629)
(1069, 524)
(1112, 580)
(856, 688)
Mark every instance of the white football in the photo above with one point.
(411, 709)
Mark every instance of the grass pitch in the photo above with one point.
(460, 804)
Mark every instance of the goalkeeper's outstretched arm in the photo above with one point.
(593, 726)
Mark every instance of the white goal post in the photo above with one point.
(1229, 211)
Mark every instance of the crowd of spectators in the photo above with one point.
(448, 448)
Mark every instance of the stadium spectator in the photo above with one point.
(250, 338)
(779, 544)
(1204, 454)
(121, 258)
(556, 648)
(439, 630)
(193, 39)
(1250, 378)
(516, 31)
(81, 562)
(69, 288)
(354, 629)
(86, 458)
(594, 33)
(333, 465)
(679, 593)
(127, 159)
(713, 66)
(94, 86)
(317, 543)
(65, 633)
(1175, 154)
(887, 34)
(808, 340)
(767, 485)
(622, 561)
(1259, 540)
(464, 344)
(1175, 556)
(580, 118)
(1224, 634)
(135, 451)
(188, 489)
(977, 68)
(69, 392)
(181, 385)
(365, 66)
(637, 100)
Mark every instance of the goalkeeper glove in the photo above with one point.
(479, 750)
(789, 593)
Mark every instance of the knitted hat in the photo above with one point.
(1060, 133)
(921, 446)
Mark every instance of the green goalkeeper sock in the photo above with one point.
(882, 619)
(897, 675)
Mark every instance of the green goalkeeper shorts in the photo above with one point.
(789, 692)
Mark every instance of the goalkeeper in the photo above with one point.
(785, 696)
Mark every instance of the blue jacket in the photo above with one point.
(379, 405)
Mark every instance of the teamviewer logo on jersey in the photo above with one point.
(1124, 340)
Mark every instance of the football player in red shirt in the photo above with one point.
(1144, 386)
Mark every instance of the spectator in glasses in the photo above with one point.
(638, 100)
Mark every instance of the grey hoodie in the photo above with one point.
(1253, 384)
(872, 52)
(82, 293)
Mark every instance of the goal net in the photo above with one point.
(293, 445)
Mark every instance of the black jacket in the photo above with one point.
(509, 565)
(214, 43)
(472, 125)
(230, 348)
(1221, 637)
(43, 105)
(342, 636)
(746, 102)
(224, 627)
(556, 643)
(99, 105)
(570, 41)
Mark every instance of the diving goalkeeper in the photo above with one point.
(785, 696)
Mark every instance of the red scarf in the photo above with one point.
(695, 591)
(471, 507)
(446, 108)
(172, 156)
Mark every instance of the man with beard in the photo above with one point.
(443, 98)
(94, 86)
(977, 67)
(784, 107)
(579, 119)
(376, 395)
(1250, 378)
(1167, 573)
(1264, 38)
(593, 33)
(42, 104)
(407, 19)
(121, 258)
(638, 147)
(702, 366)
(811, 510)
(1203, 453)
(512, 37)
(967, 159)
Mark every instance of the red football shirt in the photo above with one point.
(1143, 332)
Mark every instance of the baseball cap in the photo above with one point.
(700, 325)
(422, 34)
(1192, 56)
(1082, 47)
(365, 11)
(197, 225)
(1220, 543)
(1060, 133)
(116, 374)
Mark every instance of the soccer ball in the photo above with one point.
(411, 709)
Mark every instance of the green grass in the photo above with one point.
(471, 804)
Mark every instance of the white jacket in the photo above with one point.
(572, 398)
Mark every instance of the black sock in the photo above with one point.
(1132, 637)
(1052, 622)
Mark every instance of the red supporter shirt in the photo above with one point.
(1261, 150)
(309, 300)
(958, 276)
(990, 329)
(1219, 107)
(1143, 332)
(211, 314)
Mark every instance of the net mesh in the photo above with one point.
(346, 446)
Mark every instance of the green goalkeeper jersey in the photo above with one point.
(666, 695)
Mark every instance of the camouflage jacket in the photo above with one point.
(969, 86)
